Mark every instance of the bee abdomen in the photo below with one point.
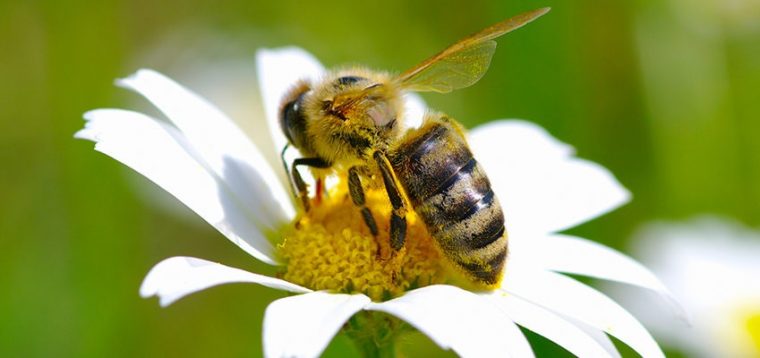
(467, 221)
(452, 195)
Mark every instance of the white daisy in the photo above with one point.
(713, 266)
(328, 258)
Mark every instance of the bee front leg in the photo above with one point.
(398, 216)
(357, 196)
(301, 186)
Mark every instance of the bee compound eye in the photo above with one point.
(292, 120)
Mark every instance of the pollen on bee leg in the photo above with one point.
(319, 191)
(331, 248)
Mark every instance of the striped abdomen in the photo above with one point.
(450, 192)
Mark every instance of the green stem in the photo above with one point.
(370, 349)
(375, 333)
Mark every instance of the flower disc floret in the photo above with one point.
(330, 248)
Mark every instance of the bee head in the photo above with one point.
(342, 115)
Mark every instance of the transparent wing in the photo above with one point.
(457, 70)
(465, 62)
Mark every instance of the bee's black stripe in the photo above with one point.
(428, 143)
(459, 175)
(488, 271)
(427, 163)
(458, 197)
(425, 142)
(452, 195)
(490, 236)
(478, 230)
(484, 202)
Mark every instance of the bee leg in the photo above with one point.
(357, 196)
(287, 170)
(398, 215)
(320, 191)
(301, 186)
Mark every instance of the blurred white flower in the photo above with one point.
(202, 158)
(712, 266)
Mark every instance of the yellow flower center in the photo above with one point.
(752, 325)
(739, 334)
(331, 248)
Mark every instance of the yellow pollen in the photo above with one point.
(331, 248)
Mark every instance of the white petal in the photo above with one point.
(278, 70)
(415, 110)
(541, 186)
(580, 256)
(583, 257)
(456, 319)
(303, 325)
(549, 325)
(222, 146)
(161, 153)
(177, 277)
(711, 264)
(600, 337)
(570, 298)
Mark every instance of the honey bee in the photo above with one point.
(351, 122)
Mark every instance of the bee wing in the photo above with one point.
(451, 71)
(465, 62)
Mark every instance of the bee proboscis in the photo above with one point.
(352, 122)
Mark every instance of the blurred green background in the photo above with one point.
(666, 94)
